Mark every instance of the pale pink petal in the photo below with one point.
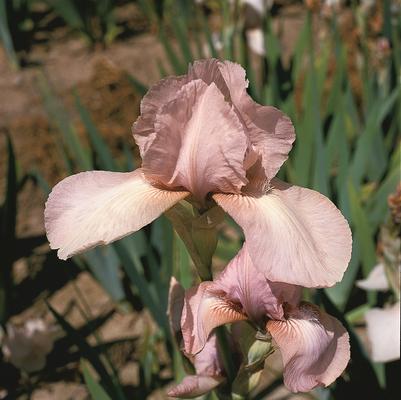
(203, 311)
(158, 95)
(270, 131)
(314, 347)
(243, 284)
(294, 235)
(175, 305)
(200, 143)
(376, 280)
(384, 332)
(194, 386)
(97, 207)
(210, 71)
(208, 361)
(209, 372)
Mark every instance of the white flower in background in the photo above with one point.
(330, 8)
(260, 6)
(383, 324)
(376, 280)
(254, 13)
(256, 40)
(333, 3)
(27, 346)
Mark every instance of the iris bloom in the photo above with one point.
(202, 137)
(314, 346)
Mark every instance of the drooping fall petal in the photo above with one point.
(384, 332)
(209, 372)
(98, 207)
(200, 143)
(314, 347)
(203, 311)
(194, 386)
(294, 235)
(208, 361)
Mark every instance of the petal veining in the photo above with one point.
(229, 77)
(243, 284)
(301, 233)
(98, 207)
(269, 130)
(200, 143)
(203, 311)
(314, 347)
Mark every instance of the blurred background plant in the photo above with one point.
(333, 66)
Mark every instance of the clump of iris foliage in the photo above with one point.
(347, 148)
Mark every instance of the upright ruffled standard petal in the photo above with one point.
(200, 143)
(294, 235)
(314, 347)
(243, 284)
(229, 77)
(269, 130)
(204, 310)
(97, 207)
(158, 95)
(384, 332)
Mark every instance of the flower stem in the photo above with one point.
(199, 234)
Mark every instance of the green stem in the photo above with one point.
(198, 231)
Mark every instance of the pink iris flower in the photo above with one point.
(314, 346)
(202, 138)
